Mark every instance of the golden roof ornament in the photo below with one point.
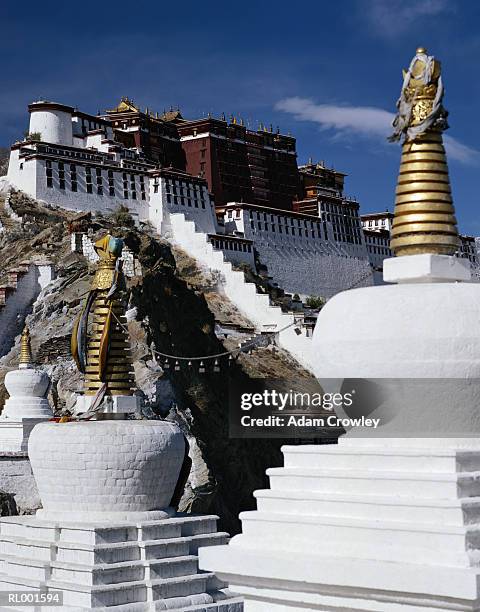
(125, 105)
(26, 359)
(424, 214)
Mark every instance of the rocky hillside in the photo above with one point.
(176, 308)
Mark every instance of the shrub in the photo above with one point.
(122, 217)
(33, 136)
(315, 301)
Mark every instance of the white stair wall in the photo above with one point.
(253, 305)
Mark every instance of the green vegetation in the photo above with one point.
(315, 301)
(36, 136)
(122, 217)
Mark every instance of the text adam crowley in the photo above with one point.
(304, 421)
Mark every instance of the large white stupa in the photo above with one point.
(386, 521)
(108, 535)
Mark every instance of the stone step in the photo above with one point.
(123, 572)
(164, 530)
(362, 538)
(427, 511)
(408, 459)
(40, 550)
(130, 592)
(213, 539)
(203, 602)
(195, 525)
(379, 482)
(17, 526)
(125, 551)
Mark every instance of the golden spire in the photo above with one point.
(424, 215)
(26, 358)
(104, 356)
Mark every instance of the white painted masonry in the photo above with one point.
(125, 468)
(124, 567)
(106, 537)
(19, 302)
(299, 250)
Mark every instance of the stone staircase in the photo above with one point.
(362, 511)
(255, 306)
(123, 567)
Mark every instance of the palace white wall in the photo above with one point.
(234, 251)
(22, 174)
(31, 177)
(55, 126)
(164, 202)
(307, 264)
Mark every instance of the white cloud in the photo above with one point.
(367, 121)
(391, 18)
(460, 152)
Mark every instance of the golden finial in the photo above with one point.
(102, 351)
(26, 358)
(424, 215)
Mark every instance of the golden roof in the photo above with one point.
(125, 105)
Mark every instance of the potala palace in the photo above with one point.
(241, 188)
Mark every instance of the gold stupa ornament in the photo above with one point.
(424, 215)
(100, 346)
(26, 359)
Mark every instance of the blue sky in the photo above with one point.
(328, 72)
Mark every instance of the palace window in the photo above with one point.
(125, 194)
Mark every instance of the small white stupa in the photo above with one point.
(27, 404)
(385, 521)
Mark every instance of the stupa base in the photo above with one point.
(123, 566)
(358, 527)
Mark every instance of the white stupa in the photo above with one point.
(27, 404)
(385, 521)
(108, 535)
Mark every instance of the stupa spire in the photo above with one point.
(103, 355)
(424, 214)
(26, 359)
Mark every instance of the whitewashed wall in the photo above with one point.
(195, 208)
(19, 303)
(55, 126)
(306, 263)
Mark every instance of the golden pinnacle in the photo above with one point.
(26, 358)
(424, 214)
